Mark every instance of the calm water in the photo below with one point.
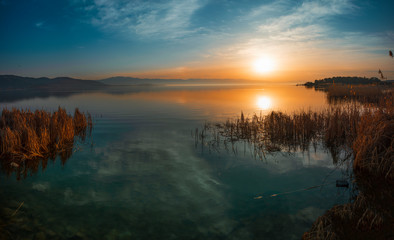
(143, 178)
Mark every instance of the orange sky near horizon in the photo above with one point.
(294, 66)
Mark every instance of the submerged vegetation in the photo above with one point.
(28, 138)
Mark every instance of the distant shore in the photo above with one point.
(326, 82)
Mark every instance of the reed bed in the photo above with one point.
(27, 137)
(335, 127)
(363, 134)
(362, 93)
(371, 215)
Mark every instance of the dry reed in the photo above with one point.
(362, 133)
(336, 127)
(27, 137)
(371, 215)
(362, 93)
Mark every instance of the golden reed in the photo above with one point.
(26, 136)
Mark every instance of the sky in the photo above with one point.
(283, 40)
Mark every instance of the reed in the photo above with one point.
(362, 93)
(360, 133)
(375, 143)
(371, 215)
(27, 136)
(334, 127)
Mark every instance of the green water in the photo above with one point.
(141, 175)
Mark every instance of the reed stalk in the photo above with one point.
(27, 136)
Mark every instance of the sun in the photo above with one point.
(264, 65)
(263, 102)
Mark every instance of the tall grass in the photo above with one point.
(362, 133)
(354, 132)
(335, 127)
(371, 215)
(361, 93)
(27, 136)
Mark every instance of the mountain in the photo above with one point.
(120, 80)
(66, 83)
(12, 82)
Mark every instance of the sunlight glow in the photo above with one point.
(264, 65)
(263, 103)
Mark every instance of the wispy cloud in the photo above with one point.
(163, 20)
(39, 24)
(44, 25)
(288, 32)
(307, 21)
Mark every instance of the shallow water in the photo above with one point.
(142, 177)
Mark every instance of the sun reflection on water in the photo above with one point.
(263, 102)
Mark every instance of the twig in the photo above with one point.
(16, 211)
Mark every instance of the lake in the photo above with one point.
(142, 176)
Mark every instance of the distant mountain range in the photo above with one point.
(151, 81)
(12, 82)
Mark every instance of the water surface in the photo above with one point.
(142, 176)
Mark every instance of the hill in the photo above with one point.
(12, 82)
(120, 80)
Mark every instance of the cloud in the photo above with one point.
(287, 31)
(307, 21)
(39, 24)
(147, 19)
(271, 28)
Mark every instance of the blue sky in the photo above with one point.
(195, 39)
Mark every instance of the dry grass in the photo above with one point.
(375, 144)
(336, 127)
(358, 220)
(371, 215)
(361, 93)
(363, 134)
(27, 136)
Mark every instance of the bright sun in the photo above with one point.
(263, 102)
(264, 65)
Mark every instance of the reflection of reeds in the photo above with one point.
(27, 136)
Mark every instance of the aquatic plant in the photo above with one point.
(357, 133)
(335, 127)
(374, 94)
(371, 215)
(27, 137)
